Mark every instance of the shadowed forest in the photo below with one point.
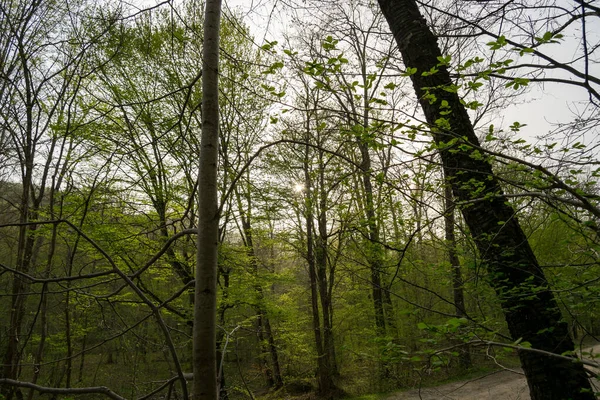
(351, 208)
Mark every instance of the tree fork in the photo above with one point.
(530, 309)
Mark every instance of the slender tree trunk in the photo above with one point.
(82, 361)
(381, 301)
(464, 357)
(67, 311)
(264, 350)
(44, 307)
(205, 363)
(324, 377)
(180, 269)
(265, 335)
(69, 358)
(373, 247)
(223, 395)
(26, 249)
(43, 334)
(278, 379)
(321, 261)
(530, 308)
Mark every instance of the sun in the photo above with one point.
(298, 188)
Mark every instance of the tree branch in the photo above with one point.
(44, 389)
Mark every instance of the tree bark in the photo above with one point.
(265, 334)
(326, 385)
(373, 246)
(223, 307)
(464, 357)
(205, 363)
(530, 308)
(321, 259)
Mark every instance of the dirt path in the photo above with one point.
(503, 385)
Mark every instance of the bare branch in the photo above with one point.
(44, 389)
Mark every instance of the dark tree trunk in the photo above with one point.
(464, 357)
(322, 263)
(326, 385)
(373, 246)
(266, 340)
(278, 379)
(530, 308)
(324, 379)
(223, 306)
(205, 304)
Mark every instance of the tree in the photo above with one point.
(531, 311)
(205, 303)
(457, 279)
(356, 100)
(314, 209)
(40, 78)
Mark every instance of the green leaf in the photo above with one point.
(451, 88)
(516, 127)
(443, 123)
(329, 43)
(269, 45)
(517, 83)
(526, 50)
(549, 37)
(409, 71)
(432, 71)
(498, 43)
(474, 85)
(444, 60)
(490, 135)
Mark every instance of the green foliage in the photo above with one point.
(517, 83)
(549, 37)
(128, 181)
(498, 43)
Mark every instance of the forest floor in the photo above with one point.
(506, 385)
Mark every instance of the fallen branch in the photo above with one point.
(43, 389)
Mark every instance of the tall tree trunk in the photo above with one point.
(324, 376)
(464, 355)
(205, 304)
(321, 260)
(278, 379)
(264, 350)
(83, 351)
(530, 308)
(44, 301)
(373, 246)
(272, 370)
(223, 306)
(25, 255)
